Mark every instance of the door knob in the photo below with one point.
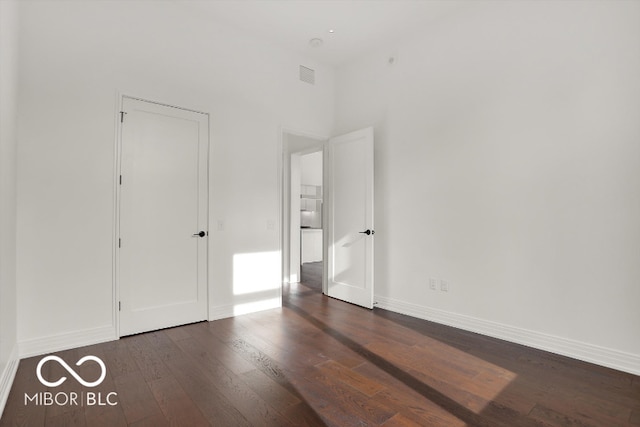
(367, 232)
(200, 234)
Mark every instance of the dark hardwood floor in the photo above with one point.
(311, 275)
(319, 361)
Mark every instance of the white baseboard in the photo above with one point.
(220, 312)
(44, 345)
(577, 350)
(231, 310)
(7, 375)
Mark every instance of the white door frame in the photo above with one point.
(120, 96)
(285, 202)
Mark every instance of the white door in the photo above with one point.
(163, 216)
(350, 218)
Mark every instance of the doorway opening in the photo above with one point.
(304, 210)
(311, 230)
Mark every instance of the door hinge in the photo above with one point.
(119, 243)
(119, 305)
(120, 179)
(122, 113)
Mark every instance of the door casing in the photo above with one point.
(315, 143)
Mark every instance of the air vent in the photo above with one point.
(307, 75)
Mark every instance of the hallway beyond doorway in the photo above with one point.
(311, 275)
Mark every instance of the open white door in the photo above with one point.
(350, 218)
(163, 201)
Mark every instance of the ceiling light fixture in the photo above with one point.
(332, 31)
(315, 42)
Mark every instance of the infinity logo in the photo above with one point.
(71, 371)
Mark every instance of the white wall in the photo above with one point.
(311, 168)
(74, 56)
(8, 143)
(508, 164)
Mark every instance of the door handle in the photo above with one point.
(367, 232)
(200, 234)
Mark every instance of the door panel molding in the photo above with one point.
(350, 212)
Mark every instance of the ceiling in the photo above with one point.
(359, 25)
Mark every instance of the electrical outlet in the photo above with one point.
(444, 285)
(433, 283)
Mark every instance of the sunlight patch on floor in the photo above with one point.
(460, 376)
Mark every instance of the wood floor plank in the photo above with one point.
(302, 416)
(177, 334)
(135, 397)
(69, 418)
(419, 410)
(555, 419)
(283, 346)
(333, 411)
(226, 330)
(400, 420)
(407, 400)
(204, 393)
(176, 406)
(354, 403)
(220, 350)
(105, 416)
(364, 385)
(210, 400)
(252, 406)
(447, 387)
(150, 366)
(307, 345)
(120, 361)
(153, 421)
(272, 392)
